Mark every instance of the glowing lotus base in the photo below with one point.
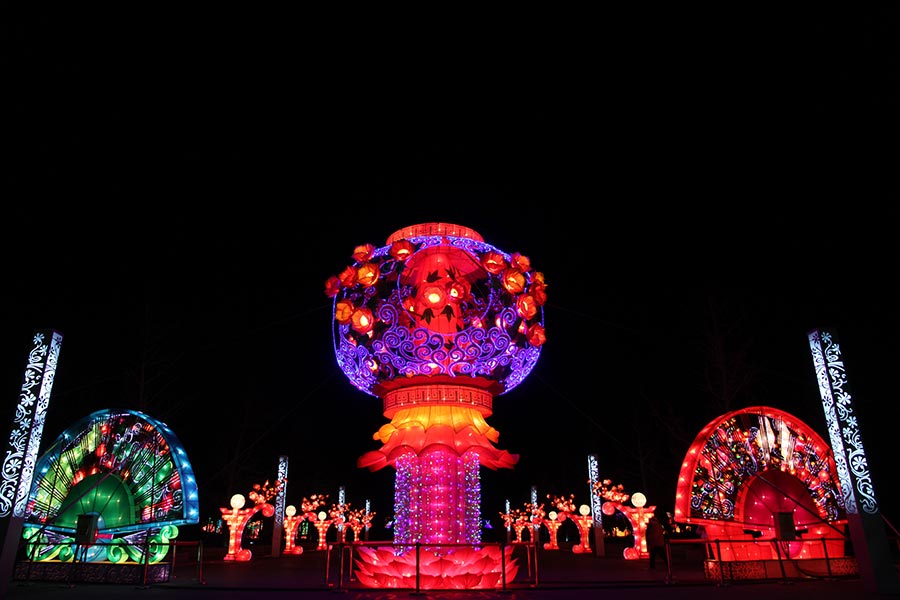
(437, 451)
(459, 569)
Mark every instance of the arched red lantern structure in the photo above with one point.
(237, 517)
(765, 485)
(436, 323)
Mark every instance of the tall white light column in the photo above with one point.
(23, 445)
(278, 529)
(870, 546)
(596, 505)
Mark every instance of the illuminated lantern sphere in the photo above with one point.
(322, 515)
(584, 510)
(291, 510)
(608, 508)
(639, 500)
(237, 501)
(438, 304)
(553, 515)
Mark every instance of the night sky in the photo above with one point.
(698, 193)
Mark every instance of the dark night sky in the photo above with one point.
(179, 193)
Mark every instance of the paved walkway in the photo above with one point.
(560, 575)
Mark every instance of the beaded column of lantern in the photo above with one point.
(437, 323)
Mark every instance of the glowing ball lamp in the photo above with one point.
(436, 323)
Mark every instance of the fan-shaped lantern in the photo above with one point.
(128, 470)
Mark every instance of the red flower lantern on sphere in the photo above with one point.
(437, 323)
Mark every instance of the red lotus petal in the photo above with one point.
(492, 580)
(373, 461)
(366, 579)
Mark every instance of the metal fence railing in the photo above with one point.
(132, 563)
(717, 548)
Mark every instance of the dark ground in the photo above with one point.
(559, 575)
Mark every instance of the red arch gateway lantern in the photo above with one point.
(437, 323)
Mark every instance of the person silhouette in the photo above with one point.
(656, 541)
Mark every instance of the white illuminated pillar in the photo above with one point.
(278, 528)
(368, 524)
(17, 471)
(870, 546)
(536, 528)
(596, 505)
(342, 495)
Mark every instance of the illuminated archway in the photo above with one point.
(760, 473)
(125, 468)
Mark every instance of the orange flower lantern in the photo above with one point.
(363, 252)
(362, 320)
(343, 311)
(402, 249)
(368, 274)
(348, 277)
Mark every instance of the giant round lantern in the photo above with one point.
(437, 323)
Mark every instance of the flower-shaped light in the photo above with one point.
(361, 320)
(309, 506)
